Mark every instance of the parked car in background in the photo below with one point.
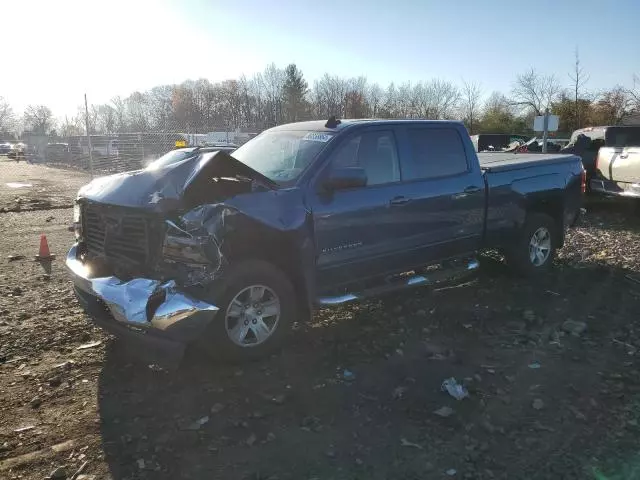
(5, 147)
(18, 151)
(611, 172)
(181, 154)
(230, 250)
(490, 142)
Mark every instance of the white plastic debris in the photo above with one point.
(453, 388)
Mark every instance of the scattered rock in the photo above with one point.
(574, 327)
(5, 447)
(537, 404)
(58, 474)
(35, 402)
(86, 477)
(17, 291)
(49, 219)
(55, 381)
(398, 393)
(196, 425)
(421, 313)
(13, 258)
(251, 440)
(529, 315)
(140, 463)
(217, 408)
(452, 472)
(444, 412)
(271, 437)
(534, 365)
(330, 453)
(359, 462)
(278, 399)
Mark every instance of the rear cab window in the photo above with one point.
(435, 152)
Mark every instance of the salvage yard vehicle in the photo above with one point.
(228, 251)
(587, 143)
(616, 169)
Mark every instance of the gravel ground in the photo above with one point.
(551, 368)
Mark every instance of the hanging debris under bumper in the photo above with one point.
(142, 306)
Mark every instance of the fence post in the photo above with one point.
(86, 121)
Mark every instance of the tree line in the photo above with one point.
(275, 96)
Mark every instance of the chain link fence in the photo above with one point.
(122, 152)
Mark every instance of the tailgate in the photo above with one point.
(619, 164)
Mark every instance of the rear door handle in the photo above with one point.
(399, 201)
(466, 192)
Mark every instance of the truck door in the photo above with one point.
(355, 227)
(444, 194)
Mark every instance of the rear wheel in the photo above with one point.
(257, 309)
(535, 247)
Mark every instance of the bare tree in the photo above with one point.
(614, 106)
(436, 99)
(534, 91)
(120, 110)
(634, 94)
(39, 119)
(71, 126)
(374, 98)
(7, 118)
(470, 103)
(578, 81)
(330, 95)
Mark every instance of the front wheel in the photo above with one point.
(535, 246)
(257, 309)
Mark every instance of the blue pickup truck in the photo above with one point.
(228, 251)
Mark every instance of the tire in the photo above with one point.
(527, 262)
(245, 280)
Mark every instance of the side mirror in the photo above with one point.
(346, 177)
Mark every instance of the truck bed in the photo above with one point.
(498, 161)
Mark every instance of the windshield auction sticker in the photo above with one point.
(317, 137)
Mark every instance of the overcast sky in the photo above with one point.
(55, 51)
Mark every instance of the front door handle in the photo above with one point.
(399, 201)
(466, 192)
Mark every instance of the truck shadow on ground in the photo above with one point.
(353, 394)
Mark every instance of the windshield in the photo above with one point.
(282, 156)
(173, 156)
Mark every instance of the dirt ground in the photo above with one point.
(25, 186)
(551, 369)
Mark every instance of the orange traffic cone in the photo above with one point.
(44, 253)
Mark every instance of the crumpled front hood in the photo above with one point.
(165, 188)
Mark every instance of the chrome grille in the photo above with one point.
(113, 234)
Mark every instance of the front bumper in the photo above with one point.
(147, 311)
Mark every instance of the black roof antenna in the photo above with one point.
(333, 122)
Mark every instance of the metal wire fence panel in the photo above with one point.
(121, 152)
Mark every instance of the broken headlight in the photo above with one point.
(181, 246)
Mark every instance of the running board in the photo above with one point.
(413, 281)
